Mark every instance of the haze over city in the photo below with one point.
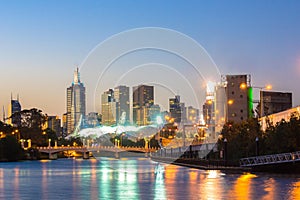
(42, 43)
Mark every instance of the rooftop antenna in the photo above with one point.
(18, 97)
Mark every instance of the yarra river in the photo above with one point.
(136, 179)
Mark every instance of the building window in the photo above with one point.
(241, 96)
(242, 118)
(232, 92)
(242, 111)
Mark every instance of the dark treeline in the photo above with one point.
(281, 137)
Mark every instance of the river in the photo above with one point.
(136, 179)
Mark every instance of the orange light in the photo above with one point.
(243, 86)
(268, 87)
(230, 102)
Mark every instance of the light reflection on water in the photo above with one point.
(136, 179)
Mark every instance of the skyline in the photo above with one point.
(43, 42)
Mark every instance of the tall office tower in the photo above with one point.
(109, 108)
(14, 107)
(239, 94)
(143, 99)
(220, 106)
(192, 115)
(54, 123)
(274, 102)
(65, 125)
(76, 106)
(183, 112)
(175, 108)
(121, 96)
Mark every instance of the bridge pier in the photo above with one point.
(86, 155)
(52, 156)
(117, 156)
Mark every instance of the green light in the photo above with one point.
(250, 102)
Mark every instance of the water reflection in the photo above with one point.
(242, 187)
(136, 179)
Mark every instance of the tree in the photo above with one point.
(10, 149)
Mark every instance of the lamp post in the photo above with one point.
(225, 151)
(49, 143)
(257, 146)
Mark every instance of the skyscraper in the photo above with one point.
(143, 99)
(109, 108)
(175, 108)
(76, 106)
(14, 107)
(121, 96)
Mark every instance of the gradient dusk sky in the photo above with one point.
(41, 42)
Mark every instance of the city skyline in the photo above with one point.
(258, 39)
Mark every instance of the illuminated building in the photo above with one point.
(121, 96)
(192, 115)
(13, 108)
(53, 123)
(239, 99)
(76, 106)
(175, 108)
(274, 102)
(109, 108)
(92, 120)
(143, 99)
(277, 117)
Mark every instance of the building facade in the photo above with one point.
(175, 108)
(121, 96)
(54, 123)
(14, 107)
(238, 96)
(274, 102)
(143, 99)
(76, 103)
(109, 108)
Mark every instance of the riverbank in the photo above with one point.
(200, 164)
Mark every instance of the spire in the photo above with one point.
(76, 76)
(3, 114)
(18, 97)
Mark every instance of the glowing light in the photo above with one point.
(268, 87)
(230, 102)
(243, 86)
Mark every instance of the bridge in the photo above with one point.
(277, 162)
(52, 151)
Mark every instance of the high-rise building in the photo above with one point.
(14, 107)
(238, 93)
(65, 125)
(274, 102)
(121, 96)
(76, 106)
(192, 115)
(92, 119)
(143, 99)
(175, 108)
(109, 108)
(54, 123)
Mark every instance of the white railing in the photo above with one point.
(270, 159)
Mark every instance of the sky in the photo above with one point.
(41, 43)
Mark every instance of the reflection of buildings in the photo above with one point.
(274, 102)
(175, 108)
(239, 106)
(75, 102)
(121, 96)
(143, 100)
(13, 108)
(109, 108)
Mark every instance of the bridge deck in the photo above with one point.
(270, 159)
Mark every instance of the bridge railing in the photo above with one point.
(270, 159)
